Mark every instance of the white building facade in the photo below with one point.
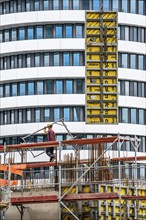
(42, 70)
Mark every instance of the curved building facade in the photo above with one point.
(42, 70)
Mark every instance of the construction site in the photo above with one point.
(95, 187)
(98, 178)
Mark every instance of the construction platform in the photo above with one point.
(95, 187)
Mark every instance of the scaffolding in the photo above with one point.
(94, 187)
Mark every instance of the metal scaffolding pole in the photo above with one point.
(74, 184)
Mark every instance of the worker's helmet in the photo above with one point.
(49, 125)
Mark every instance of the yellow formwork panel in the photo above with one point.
(110, 81)
(86, 189)
(92, 31)
(93, 57)
(104, 112)
(107, 88)
(86, 208)
(98, 57)
(93, 81)
(92, 15)
(96, 49)
(65, 189)
(94, 89)
(93, 105)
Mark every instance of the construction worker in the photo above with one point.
(51, 136)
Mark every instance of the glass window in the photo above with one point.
(76, 59)
(85, 4)
(46, 4)
(79, 30)
(19, 5)
(141, 116)
(140, 62)
(96, 5)
(7, 90)
(79, 86)
(124, 6)
(76, 5)
(124, 115)
(1, 91)
(55, 4)
(37, 60)
(56, 59)
(68, 30)
(28, 115)
(30, 88)
(141, 35)
(115, 5)
(19, 116)
(14, 89)
(106, 5)
(69, 86)
(133, 6)
(37, 115)
(133, 116)
(40, 89)
(135, 89)
(19, 61)
(135, 34)
(126, 33)
(66, 59)
(142, 90)
(22, 89)
(11, 7)
(46, 59)
(12, 117)
(127, 88)
(1, 37)
(59, 87)
(28, 60)
(12, 63)
(133, 61)
(124, 60)
(49, 86)
(13, 35)
(6, 36)
(36, 5)
(5, 117)
(76, 111)
(27, 5)
(56, 114)
(141, 7)
(47, 114)
(30, 33)
(66, 114)
(58, 31)
(39, 32)
(49, 31)
(65, 4)
(21, 33)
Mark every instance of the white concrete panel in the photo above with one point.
(135, 102)
(132, 74)
(42, 45)
(33, 17)
(43, 100)
(74, 16)
(75, 127)
(131, 47)
(131, 19)
(43, 73)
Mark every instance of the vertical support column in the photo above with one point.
(59, 182)
(119, 169)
